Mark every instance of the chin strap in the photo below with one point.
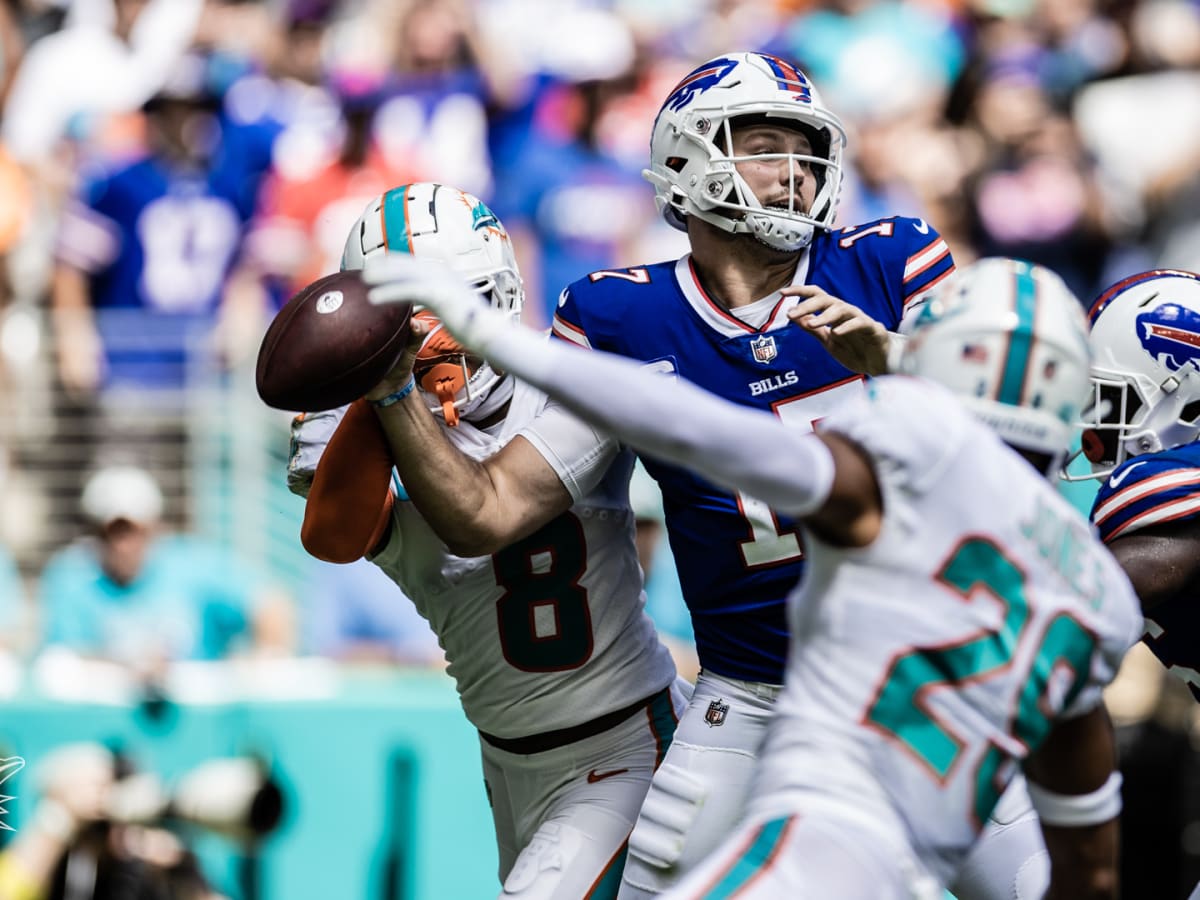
(443, 381)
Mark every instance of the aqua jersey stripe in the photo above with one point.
(1020, 343)
(395, 221)
(756, 858)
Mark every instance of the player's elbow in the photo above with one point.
(475, 540)
(331, 545)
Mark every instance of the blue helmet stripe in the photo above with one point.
(395, 221)
(1020, 342)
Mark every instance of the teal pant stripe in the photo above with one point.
(756, 857)
(395, 221)
(662, 723)
(1021, 342)
(610, 882)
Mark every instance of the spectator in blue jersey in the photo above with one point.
(145, 248)
(747, 161)
(134, 594)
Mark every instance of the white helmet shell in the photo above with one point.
(439, 222)
(1146, 368)
(691, 167)
(1010, 339)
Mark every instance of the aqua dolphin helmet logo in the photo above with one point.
(482, 217)
(1170, 333)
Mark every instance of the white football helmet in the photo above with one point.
(440, 222)
(691, 167)
(1146, 368)
(1010, 339)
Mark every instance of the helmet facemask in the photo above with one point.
(1129, 415)
(782, 226)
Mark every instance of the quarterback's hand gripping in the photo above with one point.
(433, 285)
(852, 337)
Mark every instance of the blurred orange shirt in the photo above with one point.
(302, 222)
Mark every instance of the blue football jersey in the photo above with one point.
(1148, 490)
(737, 559)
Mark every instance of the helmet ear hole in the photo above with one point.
(1190, 414)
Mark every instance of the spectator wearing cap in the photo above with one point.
(132, 593)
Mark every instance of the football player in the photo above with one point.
(957, 621)
(507, 522)
(1143, 426)
(746, 160)
(1141, 438)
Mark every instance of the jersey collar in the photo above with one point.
(720, 319)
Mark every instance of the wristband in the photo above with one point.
(1074, 810)
(397, 396)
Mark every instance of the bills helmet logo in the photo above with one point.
(1171, 335)
(716, 712)
(764, 348)
(698, 81)
(789, 78)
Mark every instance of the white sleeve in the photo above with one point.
(577, 452)
(741, 449)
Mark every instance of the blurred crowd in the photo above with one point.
(173, 170)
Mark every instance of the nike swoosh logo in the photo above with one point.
(594, 776)
(1115, 481)
(921, 226)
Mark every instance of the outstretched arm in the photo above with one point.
(738, 448)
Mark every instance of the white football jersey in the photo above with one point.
(925, 665)
(551, 631)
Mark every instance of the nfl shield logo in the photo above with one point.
(763, 348)
(716, 713)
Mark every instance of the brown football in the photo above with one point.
(328, 345)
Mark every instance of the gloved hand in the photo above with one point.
(432, 284)
(310, 433)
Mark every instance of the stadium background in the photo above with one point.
(1063, 131)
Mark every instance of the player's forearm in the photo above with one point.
(454, 493)
(1083, 862)
(1076, 794)
(741, 449)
